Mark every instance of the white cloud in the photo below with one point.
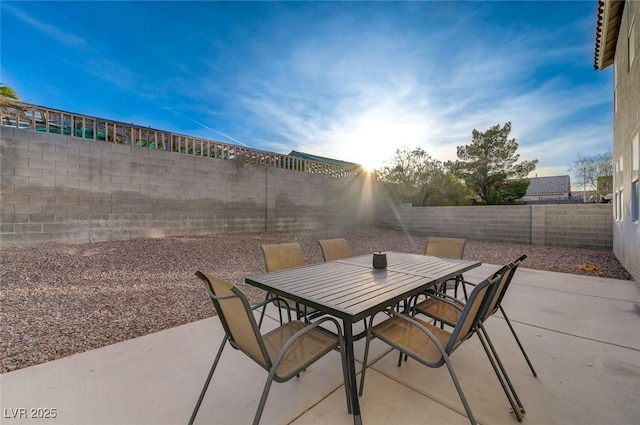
(361, 100)
(56, 33)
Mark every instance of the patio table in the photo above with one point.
(351, 290)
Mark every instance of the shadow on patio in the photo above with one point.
(581, 334)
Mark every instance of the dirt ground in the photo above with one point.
(62, 299)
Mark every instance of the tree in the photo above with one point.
(410, 167)
(489, 166)
(422, 180)
(8, 91)
(594, 173)
(445, 189)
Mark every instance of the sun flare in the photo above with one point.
(373, 142)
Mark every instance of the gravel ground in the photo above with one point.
(62, 299)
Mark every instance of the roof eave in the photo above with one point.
(607, 30)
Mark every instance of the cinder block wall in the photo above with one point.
(579, 225)
(474, 222)
(61, 188)
(572, 225)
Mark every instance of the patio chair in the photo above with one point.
(446, 309)
(283, 256)
(428, 344)
(447, 248)
(283, 352)
(334, 249)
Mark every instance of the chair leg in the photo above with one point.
(364, 362)
(513, 331)
(206, 383)
(265, 393)
(464, 288)
(443, 287)
(345, 376)
(501, 374)
(454, 378)
(272, 373)
(279, 312)
(264, 309)
(299, 313)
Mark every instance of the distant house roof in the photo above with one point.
(607, 29)
(548, 185)
(336, 162)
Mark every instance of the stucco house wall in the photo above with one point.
(626, 122)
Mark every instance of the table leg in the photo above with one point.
(351, 372)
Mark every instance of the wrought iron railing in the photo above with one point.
(38, 118)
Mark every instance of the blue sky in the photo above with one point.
(352, 81)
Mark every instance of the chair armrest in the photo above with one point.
(429, 292)
(448, 299)
(318, 323)
(277, 300)
(272, 300)
(306, 330)
(424, 330)
(438, 294)
(258, 305)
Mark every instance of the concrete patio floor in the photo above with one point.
(581, 333)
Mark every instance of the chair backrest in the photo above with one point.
(334, 249)
(234, 311)
(445, 247)
(474, 309)
(502, 287)
(282, 256)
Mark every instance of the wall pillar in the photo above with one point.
(271, 193)
(538, 224)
